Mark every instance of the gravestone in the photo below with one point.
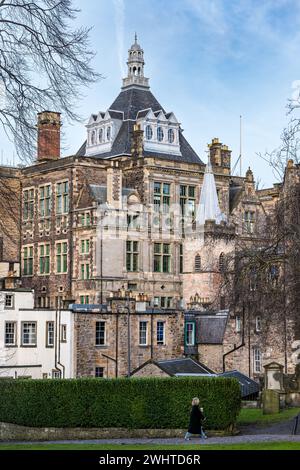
(271, 402)
(274, 377)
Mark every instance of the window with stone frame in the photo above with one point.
(50, 334)
(85, 271)
(132, 256)
(160, 332)
(249, 221)
(143, 333)
(100, 333)
(62, 197)
(162, 197)
(28, 334)
(238, 324)
(84, 299)
(10, 333)
(28, 261)
(187, 200)
(85, 219)
(257, 359)
(44, 258)
(258, 324)
(28, 204)
(61, 257)
(85, 247)
(180, 258)
(162, 258)
(45, 201)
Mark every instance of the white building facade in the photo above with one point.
(34, 343)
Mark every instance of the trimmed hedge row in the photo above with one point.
(138, 403)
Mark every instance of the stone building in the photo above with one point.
(137, 209)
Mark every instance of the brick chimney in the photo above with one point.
(48, 136)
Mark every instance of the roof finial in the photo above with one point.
(135, 38)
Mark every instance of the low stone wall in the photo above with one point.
(14, 432)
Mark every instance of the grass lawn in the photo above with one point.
(255, 416)
(196, 446)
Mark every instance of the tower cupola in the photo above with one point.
(135, 63)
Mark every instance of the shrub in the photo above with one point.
(106, 403)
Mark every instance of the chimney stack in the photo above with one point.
(48, 136)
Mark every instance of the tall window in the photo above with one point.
(100, 333)
(190, 336)
(187, 200)
(143, 333)
(257, 360)
(132, 255)
(45, 200)
(44, 259)
(28, 207)
(9, 301)
(160, 332)
(50, 334)
(253, 278)
(85, 246)
(63, 333)
(222, 262)
(162, 258)
(101, 135)
(180, 259)
(108, 133)
(197, 264)
(62, 257)
(238, 324)
(249, 221)
(10, 333)
(171, 136)
(62, 197)
(258, 323)
(84, 299)
(85, 271)
(273, 274)
(160, 134)
(162, 196)
(149, 132)
(28, 261)
(28, 334)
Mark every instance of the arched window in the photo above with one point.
(139, 71)
(273, 274)
(93, 138)
(134, 70)
(101, 135)
(149, 132)
(222, 262)
(197, 264)
(171, 136)
(160, 134)
(108, 133)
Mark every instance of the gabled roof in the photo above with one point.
(177, 367)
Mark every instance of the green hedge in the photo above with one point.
(134, 403)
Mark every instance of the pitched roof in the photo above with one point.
(184, 366)
(248, 386)
(134, 102)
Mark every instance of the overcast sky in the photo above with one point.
(209, 61)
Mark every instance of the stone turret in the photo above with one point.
(135, 63)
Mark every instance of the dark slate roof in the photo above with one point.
(130, 102)
(133, 100)
(183, 366)
(248, 386)
(115, 114)
(211, 329)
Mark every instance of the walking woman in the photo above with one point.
(196, 418)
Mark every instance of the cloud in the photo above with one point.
(119, 6)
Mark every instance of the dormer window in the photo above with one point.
(93, 138)
(160, 134)
(101, 135)
(171, 136)
(149, 133)
(108, 133)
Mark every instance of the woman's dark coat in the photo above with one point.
(195, 420)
